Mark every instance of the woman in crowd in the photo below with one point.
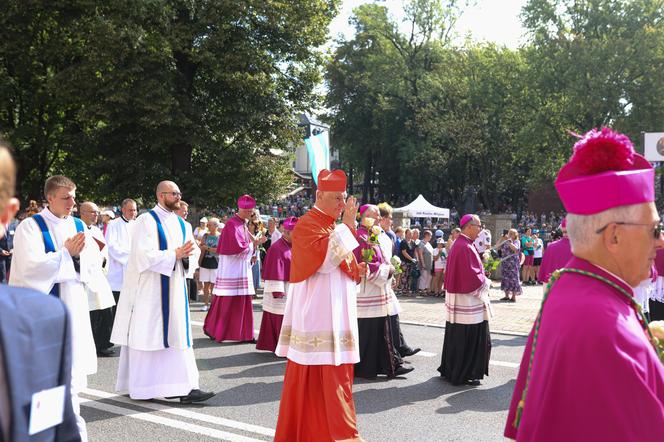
(528, 249)
(439, 264)
(510, 248)
(454, 234)
(207, 272)
(426, 264)
(409, 262)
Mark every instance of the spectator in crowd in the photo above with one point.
(201, 229)
(409, 263)
(207, 274)
(454, 234)
(528, 248)
(106, 216)
(439, 263)
(426, 265)
(537, 253)
(510, 249)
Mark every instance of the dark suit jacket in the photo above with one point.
(36, 347)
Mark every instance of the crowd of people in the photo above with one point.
(330, 304)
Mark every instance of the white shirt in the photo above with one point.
(274, 237)
(539, 248)
(483, 241)
(118, 240)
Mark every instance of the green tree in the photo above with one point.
(122, 94)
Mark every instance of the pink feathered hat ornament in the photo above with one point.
(604, 172)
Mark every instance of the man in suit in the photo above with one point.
(35, 345)
(6, 246)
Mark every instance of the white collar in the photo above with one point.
(163, 213)
(47, 214)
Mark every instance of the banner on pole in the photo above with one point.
(318, 149)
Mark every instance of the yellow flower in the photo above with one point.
(368, 222)
(657, 329)
(375, 230)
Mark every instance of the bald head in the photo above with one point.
(169, 195)
(89, 213)
(371, 212)
(472, 228)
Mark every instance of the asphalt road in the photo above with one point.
(418, 407)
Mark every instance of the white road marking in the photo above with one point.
(197, 323)
(504, 364)
(143, 416)
(181, 412)
(426, 354)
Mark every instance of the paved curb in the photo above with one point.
(259, 303)
(497, 332)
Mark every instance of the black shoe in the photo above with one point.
(403, 370)
(196, 396)
(105, 353)
(472, 382)
(410, 351)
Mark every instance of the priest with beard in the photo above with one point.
(467, 344)
(276, 274)
(152, 323)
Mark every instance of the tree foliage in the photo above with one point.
(414, 113)
(119, 95)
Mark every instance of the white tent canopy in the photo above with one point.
(421, 208)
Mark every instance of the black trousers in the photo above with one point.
(656, 310)
(193, 289)
(102, 325)
(397, 337)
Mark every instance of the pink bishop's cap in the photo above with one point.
(246, 202)
(289, 223)
(466, 219)
(364, 208)
(604, 172)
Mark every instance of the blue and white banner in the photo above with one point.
(318, 148)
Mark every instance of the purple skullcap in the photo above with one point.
(364, 208)
(289, 223)
(466, 219)
(246, 202)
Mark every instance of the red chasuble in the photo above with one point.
(310, 239)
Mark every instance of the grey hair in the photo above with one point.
(582, 229)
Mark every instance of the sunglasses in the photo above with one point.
(656, 233)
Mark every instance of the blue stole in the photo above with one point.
(166, 280)
(49, 245)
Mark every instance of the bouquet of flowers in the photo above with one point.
(369, 252)
(396, 263)
(657, 332)
(490, 264)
